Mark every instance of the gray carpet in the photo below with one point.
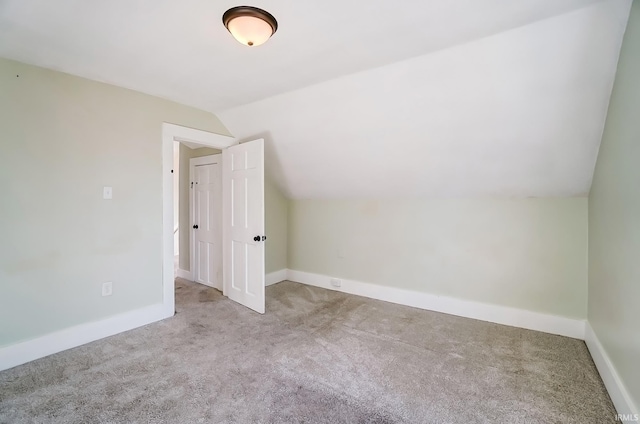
(316, 356)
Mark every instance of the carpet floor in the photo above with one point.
(316, 356)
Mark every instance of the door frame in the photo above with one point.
(170, 134)
(193, 162)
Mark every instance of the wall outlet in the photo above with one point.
(336, 282)
(107, 288)
(107, 193)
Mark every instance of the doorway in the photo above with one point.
(183, 204)
(242, 214)
(172, 138)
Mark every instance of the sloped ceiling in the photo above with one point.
(443, 98)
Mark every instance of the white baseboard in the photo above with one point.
(615, 386)
(481, 311)
(275, 277)
(187, 275)
(20, 353)
(23, 352)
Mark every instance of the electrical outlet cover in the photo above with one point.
(107, 288)
(107, 193)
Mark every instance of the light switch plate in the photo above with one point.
(107, 193)
(107, 288)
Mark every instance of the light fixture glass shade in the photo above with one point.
(249, 25)
(249, 30)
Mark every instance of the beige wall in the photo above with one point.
(276, 220)
(63, 139)
(529, 254)
(614, 221)
(185, 244)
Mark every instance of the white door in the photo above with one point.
(243, 217)
(206, 192)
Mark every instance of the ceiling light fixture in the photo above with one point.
(249, 25)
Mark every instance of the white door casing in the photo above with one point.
(170, 134)
(206, 220)
(243, 223)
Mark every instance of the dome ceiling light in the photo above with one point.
(249, 25)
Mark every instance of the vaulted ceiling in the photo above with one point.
(447, 98)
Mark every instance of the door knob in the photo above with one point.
(195, 226)
(256, 238)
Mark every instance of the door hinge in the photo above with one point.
(191, 184)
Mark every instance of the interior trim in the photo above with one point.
(505, 315)
(615, 386)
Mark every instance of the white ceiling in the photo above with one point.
(435, 98)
